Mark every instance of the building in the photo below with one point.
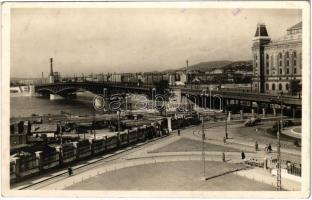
(277, 64)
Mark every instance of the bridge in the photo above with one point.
(67, 88)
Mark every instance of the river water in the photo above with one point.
(24, 106)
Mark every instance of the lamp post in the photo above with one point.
(118, 124)
(93, 124)
(203, 150)
(226, 116)
(203, 94)
(153, 98)
(279, 127)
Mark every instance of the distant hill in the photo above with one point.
(221, 64)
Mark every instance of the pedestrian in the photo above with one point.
(269, 148)
(256, 146)
(243, 155)
(223, 157)
(224, 140)
(178, 132)
(70, 171)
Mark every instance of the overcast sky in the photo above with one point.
(134, 40)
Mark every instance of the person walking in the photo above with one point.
(243, 155)
(70, 171)
(270, 148)
(256, 146)
(224, 140)
(223, 157)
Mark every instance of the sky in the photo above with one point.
(101, 40)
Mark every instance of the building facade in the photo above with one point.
(277, 64)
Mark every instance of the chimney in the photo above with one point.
(186, 64)
(51, 66)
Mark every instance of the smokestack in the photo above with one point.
(186, 63)
(42, 75)
(51, 66)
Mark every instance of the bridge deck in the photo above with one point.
(98, 87)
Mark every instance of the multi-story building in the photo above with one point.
(277, 64)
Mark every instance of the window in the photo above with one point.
(287, 86)
(273, 86)
(287, 54)
(280, 55)
(267, 86)
(280, 63)
(287, 63)
(267, 64)
(281, 71)
(267, 57)
(280, 87)
(268, 71)
(295, 54)
(295, 70)
(287, 70)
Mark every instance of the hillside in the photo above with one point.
(221, 64)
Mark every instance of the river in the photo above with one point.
(24, 106)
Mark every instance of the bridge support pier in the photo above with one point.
(253, 112)
(229, 116)
(169, 124)
(241, 114)
(55, 97)
(293, 112)
(263, 112)
(274, 111)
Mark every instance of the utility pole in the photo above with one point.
(279, 169)
(203, 150)
(226, 116)
(93, 125)
(279, 122)
(118, 125)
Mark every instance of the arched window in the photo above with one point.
(280, 87)
(287, 86)
(273, 86)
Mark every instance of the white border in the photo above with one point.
(5, 100)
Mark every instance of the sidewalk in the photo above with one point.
(260, 175)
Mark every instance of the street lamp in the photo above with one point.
(226, 117)
(203, 94)
(279, 127)
(203, 150)
(153, 96)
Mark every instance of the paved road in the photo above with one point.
(165, 148)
